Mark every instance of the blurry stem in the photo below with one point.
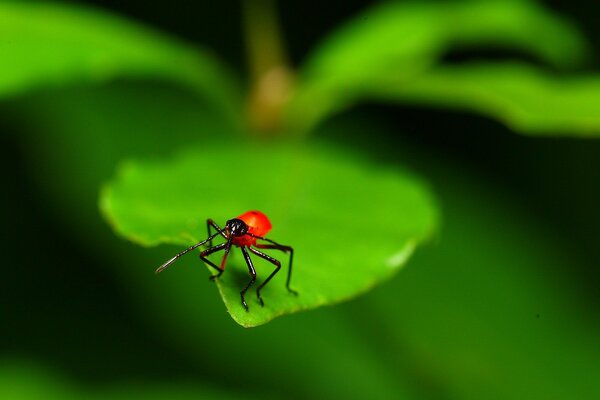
(270, 77)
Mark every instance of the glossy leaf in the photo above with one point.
(525, 98)
(45, 44)
(352, 224)
(404, 39)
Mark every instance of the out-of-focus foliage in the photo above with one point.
(527, 99)
(351, 224)
(47, 44)
(26, 381)
(396, 48)
(392, 35)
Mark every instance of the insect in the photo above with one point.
(243, 232)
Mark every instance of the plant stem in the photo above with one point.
(271, 78)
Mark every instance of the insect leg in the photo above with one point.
(277, 268)
(209, 223)
(286, 249)
(209, 251)
(252, 274)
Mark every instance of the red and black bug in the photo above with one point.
(243, 232)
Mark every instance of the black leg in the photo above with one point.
(209, 223)
(277, 268)
(252, 274)
(209, 251)
(286, 249)
(173, 259)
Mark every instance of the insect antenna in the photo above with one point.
(174, 258)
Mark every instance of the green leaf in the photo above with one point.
(525, 98)
(395, 33)
(403, 40)
(352, 224)
(52, 45)
(24, 380)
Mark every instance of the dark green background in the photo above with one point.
(503, 303)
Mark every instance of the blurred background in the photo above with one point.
(502, 303)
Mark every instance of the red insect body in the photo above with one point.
(258, 224)
(242, 232)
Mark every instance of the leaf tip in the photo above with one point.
(398, 259)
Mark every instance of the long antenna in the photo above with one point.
(173, 259)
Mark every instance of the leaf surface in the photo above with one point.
(352, 224)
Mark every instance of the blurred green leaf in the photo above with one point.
(46, 44)
(351, 224)
(404, 39)
(394, 34)
(24, 381)
(177, 391)
(525, 98)
(20, 380)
